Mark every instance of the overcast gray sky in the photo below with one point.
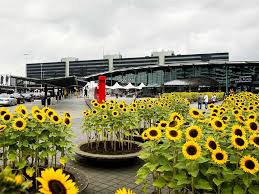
(48, 30)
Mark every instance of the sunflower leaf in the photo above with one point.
(203, 184)
(159, 183)
(218, 181)
(254, 189)
(238, 189)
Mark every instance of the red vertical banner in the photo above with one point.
(101, 86)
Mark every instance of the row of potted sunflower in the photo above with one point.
(117, 121)
(31, 142)
(215, 152)
(193, 96)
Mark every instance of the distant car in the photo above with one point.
(19, 97)
(28, 97)
(7, 100)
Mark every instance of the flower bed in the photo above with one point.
(214, 153)
(111, 127)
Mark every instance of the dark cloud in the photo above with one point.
(49, 30)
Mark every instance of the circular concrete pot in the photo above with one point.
(81, 179)
(96, 156)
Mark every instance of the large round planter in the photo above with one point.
(110, 157)
(81, 179)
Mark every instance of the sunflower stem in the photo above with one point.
(193, 185)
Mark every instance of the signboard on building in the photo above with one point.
(5, 80)
(243, 79)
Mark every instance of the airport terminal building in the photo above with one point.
(155, 70)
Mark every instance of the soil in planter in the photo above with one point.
(109, 149)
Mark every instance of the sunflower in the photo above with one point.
(39, 117)
(95, 104)
(23, 112)
(93, 101)
(193, 133)
(251, 116)
(195, 113)
(191, 150)
(67, 114)
(94, 111)
(124, 191)
(217, 124)
(149, 106)
(115, 113)
(45, 109)
(240, 118)
(144, 135)
(67, 121)
(238, 130)
(49, 113)
(249, 164)
(219, 156)
(121, 105)
(2, 128)
(239, 143)
(211, 144)
(211, 106)
(252, 125)
(124, 110)
(56, 119)
(163, 124)
(142, 107)
(3, 110)
(175, 123)
(56, 182)
(173, 134)
(154, 133)
(134, 105)
(105, 117)
(176, 116)
(254, 140)
(7, 117)
(236, 112)
(215, 110)
(245, 109)
(251, 108)
(19, 124)
(225, 119)
(87, 113)
(103, 106)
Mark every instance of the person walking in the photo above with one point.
(199, 101)
(206, 101)
(213, 98)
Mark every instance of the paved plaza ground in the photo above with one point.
(102, 179)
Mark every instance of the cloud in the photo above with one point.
(49, 30)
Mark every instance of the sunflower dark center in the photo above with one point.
(225, 118)
(218, 124)
(219, 156)
(121, 106)
(50, 113)
(36, 111)
(173, 124)
(191, 150)
(56, 187)
(212, 145)
(253, 126)
(115, 113)
(67, 121)
(39, 117)
(163, 124)
(173, 133)
(239, 141)
(215, 110)
(236, 111)
(55, 118)
(23, 111)
(250, 164)
(7, 117)
(193, 133)
(3, 112)
(153, 133)
(256, 140)
(238, 132)
(67, 114)
(241, 118)
(19, 124)
(251, 117)
(251, 108)
(94, 111)
(195, 112)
